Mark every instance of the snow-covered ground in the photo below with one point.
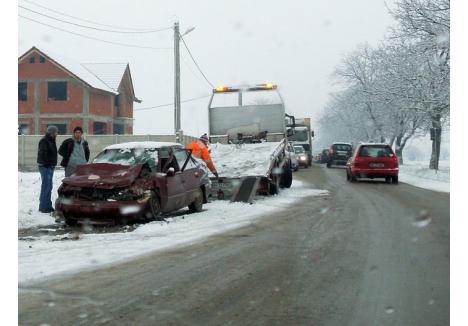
(417, 173)
(29, 188)
(50, 255)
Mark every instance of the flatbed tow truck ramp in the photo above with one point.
(249, 169)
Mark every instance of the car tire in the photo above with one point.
(154, 207)
(388, 179)
(197, 205)
(70, 221)
(286, 177)
(348, 177)
(328, 164)
(395, 179)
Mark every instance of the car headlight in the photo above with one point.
(302, 158)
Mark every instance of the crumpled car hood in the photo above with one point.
(103, 175)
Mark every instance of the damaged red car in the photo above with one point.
(133, 181)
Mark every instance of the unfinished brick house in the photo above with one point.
(55, 90)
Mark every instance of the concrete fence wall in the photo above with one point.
(27, 145)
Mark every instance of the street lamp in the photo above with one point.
(177, 37)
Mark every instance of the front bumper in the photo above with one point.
(79, 209)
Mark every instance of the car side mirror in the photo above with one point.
(170, 172)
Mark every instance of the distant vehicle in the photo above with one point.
(301, 156)
(339, 154)
(301, 134)
(324, 156)
(293, 157)
(133, 181)
(373, 161)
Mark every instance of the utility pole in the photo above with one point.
(176, 79)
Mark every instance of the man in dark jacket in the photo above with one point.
(75, 151)
(47, 160)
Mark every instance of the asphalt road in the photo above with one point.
(369, 254)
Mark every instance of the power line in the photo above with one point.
(86, 20)
(94, 28)
(195, 62)
(170, 104)
(94, 38)
(191, 71)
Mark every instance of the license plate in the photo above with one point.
(376, 165)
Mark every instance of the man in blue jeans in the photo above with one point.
(47, 160)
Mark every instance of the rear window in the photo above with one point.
(375, 151)
(342, 147)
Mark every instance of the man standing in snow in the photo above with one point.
(75, 151)
(47, 160)
(200, 149)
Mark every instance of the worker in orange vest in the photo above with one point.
(200, 149)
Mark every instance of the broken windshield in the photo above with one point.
(127, 156)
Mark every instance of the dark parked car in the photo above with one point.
(133, 181)
(373, 161)
(324, 156)
(339, 154)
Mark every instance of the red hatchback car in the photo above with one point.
(373, 161)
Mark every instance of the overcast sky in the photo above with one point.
(295, 44)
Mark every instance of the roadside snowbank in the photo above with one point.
(49, 256)
(29, 189)
(417, 173)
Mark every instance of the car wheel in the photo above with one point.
(388, 179)
(395, 179)
(348, 177)
(70, 221)
(328, 164)
(197, 205)
(154, 207)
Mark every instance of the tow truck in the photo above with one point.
(247, 128)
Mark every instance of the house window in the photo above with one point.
(118, 129)
(62, 127)
(32, 59)
(23, 129)
(57, 91)
(22, 91)
(99, 128)
(41, 59)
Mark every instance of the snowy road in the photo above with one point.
(370, 253)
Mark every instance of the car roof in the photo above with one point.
(143, 144)
(373, 144)
(342, 143)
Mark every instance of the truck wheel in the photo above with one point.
(286, 177)
(154, 207)
(273, 186)
(197, 205)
